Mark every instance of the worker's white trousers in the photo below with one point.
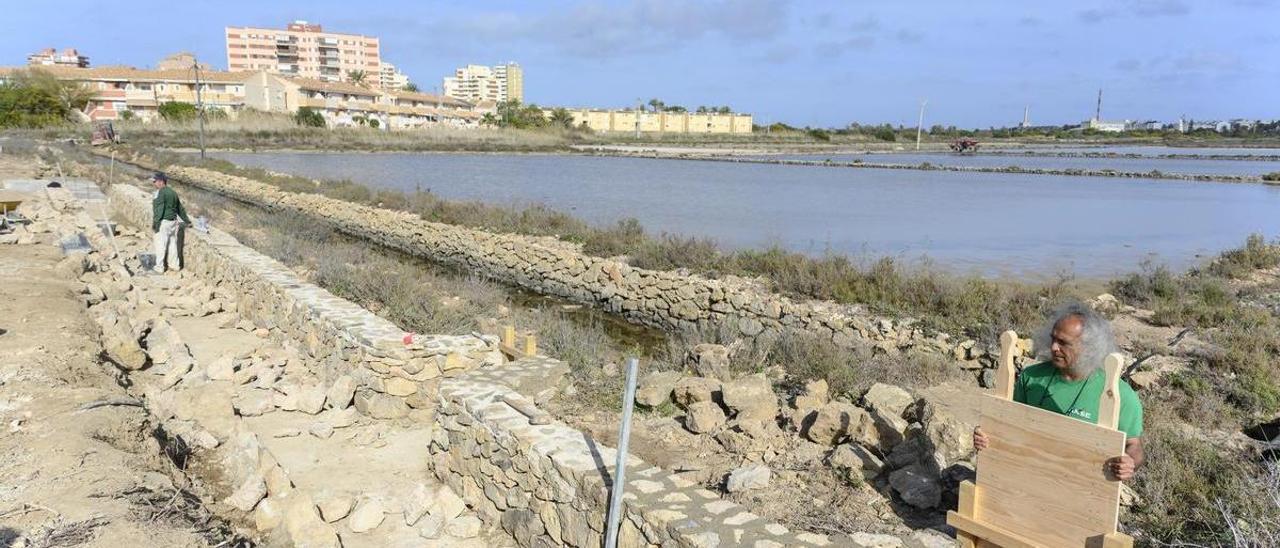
(166, 246)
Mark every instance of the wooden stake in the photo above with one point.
(530, 345)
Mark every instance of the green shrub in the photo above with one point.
(177, 112)
(309, 117)
(1256, 254)
(1273, 176)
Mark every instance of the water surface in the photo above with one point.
(991, 223)
(1140, 165)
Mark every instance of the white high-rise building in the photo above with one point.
(477, 83)
(391, 78)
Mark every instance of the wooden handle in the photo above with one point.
(1109, 403)
(1005, 373)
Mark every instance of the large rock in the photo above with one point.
(304, 526)
(252, 490)
(948, 439)
(380, 406)
(463, 527)
(806, 405)
(223, 368)
(711, 360)
(121, 345)
(751, 398)
(268, 515)
(446, 504)
(887, 399)
(310, 398)
(367, 516)
(417, 503)
(855, 463)
(72, 267)
(341, 392)
(917, 485)
(703, 417)
(335, 506)
(836, 421)
(691, 390)
(656, 388)
(753, 476)
(252, 402)
(397, 386)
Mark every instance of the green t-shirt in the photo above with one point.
(1041, 386)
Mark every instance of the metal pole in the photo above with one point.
(620, 466)
(920, 122)
(195, 65)
(106, 218)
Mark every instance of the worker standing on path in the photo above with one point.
(168, 217)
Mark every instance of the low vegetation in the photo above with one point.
(1196, 490)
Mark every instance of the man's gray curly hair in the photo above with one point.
(1097, 339)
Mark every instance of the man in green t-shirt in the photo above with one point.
(167, 218)
(1077, 340)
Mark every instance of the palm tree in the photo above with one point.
(489, 119)
(657, 104)
(357, 77)
(561, 117)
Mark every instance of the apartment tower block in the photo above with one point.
(477, 83)
(303, 50)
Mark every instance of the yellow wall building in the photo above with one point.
(661, 122)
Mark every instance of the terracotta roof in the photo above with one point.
(339, 87)
(428, 98)
(133, 74)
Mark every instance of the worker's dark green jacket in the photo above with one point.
(166, 207)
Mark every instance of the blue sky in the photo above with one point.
(819, 62)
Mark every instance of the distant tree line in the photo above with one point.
(657, 105)
(514, 114)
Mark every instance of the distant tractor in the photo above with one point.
(963, 146)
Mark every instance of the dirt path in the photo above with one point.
(67, 477)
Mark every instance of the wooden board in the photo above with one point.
(1044, 475)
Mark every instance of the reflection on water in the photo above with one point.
(992, 223)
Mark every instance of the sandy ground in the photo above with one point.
(68, 477)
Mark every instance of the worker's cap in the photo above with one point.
(159, 176)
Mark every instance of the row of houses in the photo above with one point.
(125, 92)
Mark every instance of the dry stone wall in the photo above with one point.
(545, 484)
(662, 299)
(387, 373)
(549, 484)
